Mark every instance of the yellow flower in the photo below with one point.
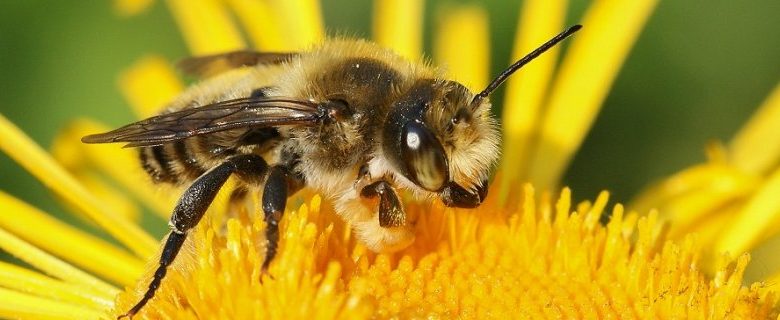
(732, 200)
(519, 255)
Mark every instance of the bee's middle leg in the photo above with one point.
(281, 181)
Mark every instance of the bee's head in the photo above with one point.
(442, 138)
(438, 140)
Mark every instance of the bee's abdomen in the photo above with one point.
(189, 166)
(171, 163)
(182, 161)
(155, 163)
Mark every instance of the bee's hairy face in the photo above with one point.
(442, 144)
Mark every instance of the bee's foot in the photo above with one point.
(264, 273)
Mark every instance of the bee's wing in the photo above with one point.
(220, 116)
(206, 66)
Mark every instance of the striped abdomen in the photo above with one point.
(182, 161)
(171, 163)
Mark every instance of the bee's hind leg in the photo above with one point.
(281, 181)
(190, 209)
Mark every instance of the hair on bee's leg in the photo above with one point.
(190, 209)
(238, 195)
(391, 212)
(238, 200)
(280, 183)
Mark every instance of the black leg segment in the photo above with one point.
(454, 195)
(190, 209)
(391, 212)
(171, 249)
(278, 185)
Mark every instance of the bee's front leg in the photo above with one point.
(454, 195)
(363, 178)
(391, 212)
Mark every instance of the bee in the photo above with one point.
(348, 118)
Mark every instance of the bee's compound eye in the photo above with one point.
(423, 155)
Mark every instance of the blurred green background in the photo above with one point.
(698, 71)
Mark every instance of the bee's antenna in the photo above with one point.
(520, 63)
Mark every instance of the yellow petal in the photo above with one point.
(698, 199)
(539, 20)
(30, 156)
(17, 305)
(206, 26)
(148, 85)
(120, 164)
(580, 87)
(756, 147)
(261, 24)
(301, 22)
(691, 212)
(68, 151)
(113, 198)
(81, 249)
(760, 213)
(131, 7)
(689, 181)
(33, 283)
(53, 266)
(462, 45)
(398, 24)
(765, 265)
